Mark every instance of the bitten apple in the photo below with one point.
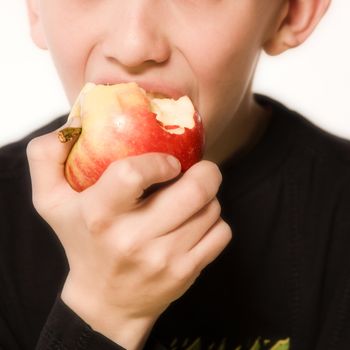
(121, 120)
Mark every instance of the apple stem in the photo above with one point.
(68, 134)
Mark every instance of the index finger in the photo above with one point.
(46, 158)
(124, 182)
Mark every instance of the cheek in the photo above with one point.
(228, 62)
(223, 63)
(69, 45)
(226, 77)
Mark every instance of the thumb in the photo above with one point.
(46, 157)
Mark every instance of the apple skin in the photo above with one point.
(111, 136)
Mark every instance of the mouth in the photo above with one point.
(152, 89)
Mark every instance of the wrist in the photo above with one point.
(128, 332)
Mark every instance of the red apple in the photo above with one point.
(122, 120)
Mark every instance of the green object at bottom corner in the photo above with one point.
(263, 344)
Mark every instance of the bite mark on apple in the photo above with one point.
(174, 115)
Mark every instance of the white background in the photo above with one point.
(313, 79)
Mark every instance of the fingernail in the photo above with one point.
(174, 162)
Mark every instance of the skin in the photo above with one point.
(131, 254)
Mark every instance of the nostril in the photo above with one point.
(136, 45)
(133, 55)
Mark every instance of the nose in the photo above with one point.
(136, 34)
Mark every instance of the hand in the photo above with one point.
(129, 256)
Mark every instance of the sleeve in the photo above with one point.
(65, 330)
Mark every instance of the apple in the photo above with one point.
(110, 122)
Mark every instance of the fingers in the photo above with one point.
(124, 181)
(172, 206)
(201, 239)
(211, 245)
(192, 231)
(46, 157)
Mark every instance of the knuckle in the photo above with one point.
(95, 222)
(183, 272)
(198, 193)
(225, 230)
(128, 174)
(215, 208)
(162, 164)
(216, 171)
(34, 149)
(158, 263)
(127, 246)
(213, 170)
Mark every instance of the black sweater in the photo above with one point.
(282, 283)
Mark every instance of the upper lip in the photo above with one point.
(154, 87)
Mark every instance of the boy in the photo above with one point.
(163, 272)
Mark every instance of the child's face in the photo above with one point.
(206, 49)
